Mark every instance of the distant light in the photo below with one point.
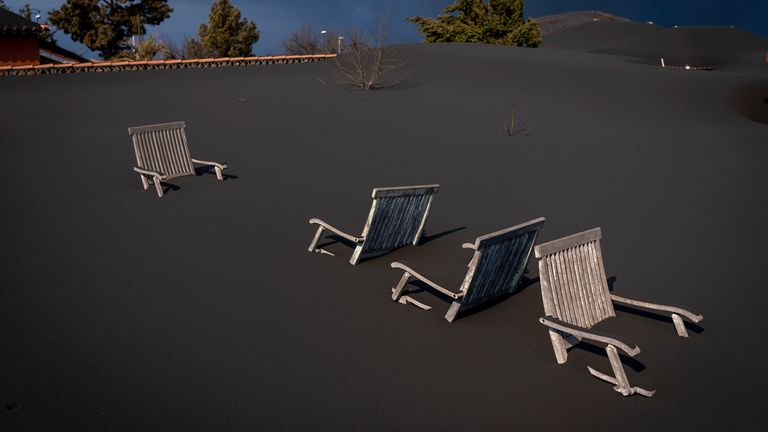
(675, 26)
(649, 22)
(687, 67)
(37, 16)
(323, 31)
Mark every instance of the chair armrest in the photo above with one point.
(694, 317)
(216, 164)
(626, 346)
(407, 268)
(150, 173)
(469, 246)
(336, 231)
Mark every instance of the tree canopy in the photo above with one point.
(106, 25)
(499, 22)
(226, 34)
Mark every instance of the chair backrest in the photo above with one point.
(162, 148)
(573, 284)
(397, 218)
(498, 263)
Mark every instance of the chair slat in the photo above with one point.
(163, 150)
(578, 285)
(586, 283)
(183, 158)
(157, 153)
(167, 148)
(602, 288)
(562, 285)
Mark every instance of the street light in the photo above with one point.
(322, 39)
(341, 38)
(36, 12)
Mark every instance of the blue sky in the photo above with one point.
(276, 19)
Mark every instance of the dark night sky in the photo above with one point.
(278, 18)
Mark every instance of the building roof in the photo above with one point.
(108, 66)
(13, 24)
(50, 52)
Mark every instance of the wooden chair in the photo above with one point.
(494, 271)
(162, 154)
(397, 217)
(576, 297)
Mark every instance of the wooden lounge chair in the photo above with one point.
(494, 271)
(162, 154)
(576, 297)
(397, 217)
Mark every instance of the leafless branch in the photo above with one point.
(512, 128)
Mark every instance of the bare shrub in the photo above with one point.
(513, 128)
(365, 65)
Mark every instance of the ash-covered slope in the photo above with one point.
(203, 310)
(558, 22)
(596, 34)
(694, 46)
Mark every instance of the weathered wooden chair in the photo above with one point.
(576, 297)
(162, 154)
(397, 217)
(494, 271)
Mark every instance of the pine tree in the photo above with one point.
(106, 25)
(498, 22)
(226, 34)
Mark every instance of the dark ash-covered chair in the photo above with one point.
(397, 218)
(575, 294)
(495, 270)
(162, 154)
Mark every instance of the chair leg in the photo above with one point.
(356, 255)
(679, 325)
(452, 311)
(313, 245)
(158, 187)
(218, 173)
(622, 382)
(144, 181)
(619, 380)
(558, 345)
(397, 291)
